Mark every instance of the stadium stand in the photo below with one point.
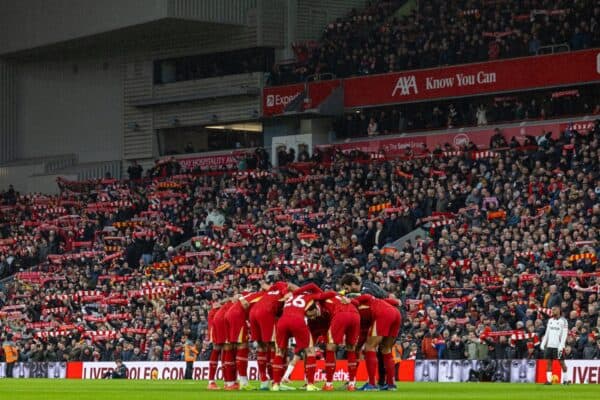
(377, 40)
(482, 111)
(104, 270)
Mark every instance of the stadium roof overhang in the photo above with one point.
(137, 37)
(198, 96)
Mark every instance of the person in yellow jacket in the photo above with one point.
(11, 355)
(190, 354)
(397, 354)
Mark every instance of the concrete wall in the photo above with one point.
(72, 106)
(141, 123)
(30, 178)
(8, 112)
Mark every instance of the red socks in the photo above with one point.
(213, 363)
(352, 366)
(311, 368)
(270, 356)
(261, 360)
(277, 369)
(241, 359)
(329, 365)
(371, 361)
(390, 368)
(229, 365)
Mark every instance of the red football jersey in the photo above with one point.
(251, 298)
(302, 299)
(270, 301)
(378, 307)
(298, 304)
(223, 310)
(332, 303)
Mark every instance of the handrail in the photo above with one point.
(325, 76)
(553, 48)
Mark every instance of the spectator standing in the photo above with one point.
(190, 354)
(372, 129)
(11, 355)
(135, 171)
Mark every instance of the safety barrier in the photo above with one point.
(447, 371)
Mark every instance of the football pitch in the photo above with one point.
(48, 389)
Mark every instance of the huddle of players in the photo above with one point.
(283, 311)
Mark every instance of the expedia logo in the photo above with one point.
(274, 100)
(270, 100)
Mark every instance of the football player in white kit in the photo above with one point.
(553, 344)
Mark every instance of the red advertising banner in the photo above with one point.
(406, 371)
(175, 370)
(541, 371)
(552, 70)
(479, 136)
(276, 98)
(318, 93)
(474, 79)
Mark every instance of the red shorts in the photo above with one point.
(218, 332)
(290, 326)
(386, 325)
(262, 325)
(237, 328)
(344, 325)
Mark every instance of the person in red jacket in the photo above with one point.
(218, 335)
(386, 321)
(293, 324)
(428, 344)
(236, 319)
(344, 329)
(262, 326)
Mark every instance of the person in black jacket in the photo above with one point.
(120, 371)
(456, 348)
(135, 171)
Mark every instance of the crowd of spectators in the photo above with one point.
(507, 235)
(458, 113)
(378, 39)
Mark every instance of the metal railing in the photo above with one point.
(553, 48)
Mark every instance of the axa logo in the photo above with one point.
(274, 100)
(406, 85)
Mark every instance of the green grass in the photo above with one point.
(46, 389)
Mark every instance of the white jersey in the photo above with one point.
(556, 333)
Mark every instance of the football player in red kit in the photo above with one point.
(236, 319)
(218, 335)
(385, 326)
(262, 326)
(344, 329)
(293, 324)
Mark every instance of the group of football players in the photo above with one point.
(353, 318)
